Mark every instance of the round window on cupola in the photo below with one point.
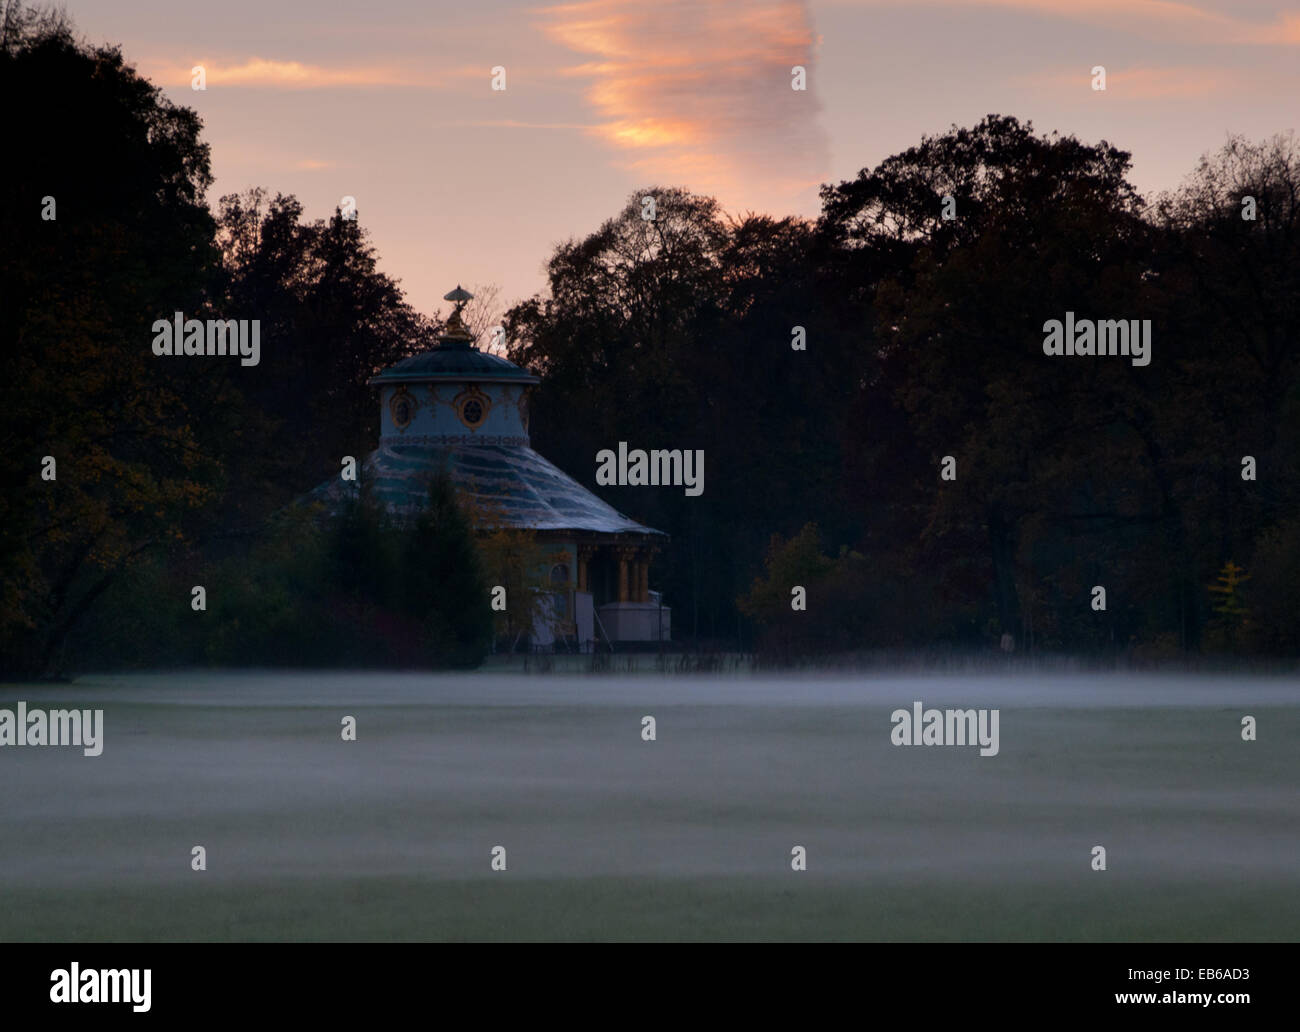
(402, 408)
(472, 407)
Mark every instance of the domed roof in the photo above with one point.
(455, 357)
(454, 361)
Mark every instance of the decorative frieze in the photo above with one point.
(515, 442)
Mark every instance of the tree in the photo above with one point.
(1230, 611)
(482, 314)
(330, 321)
(1274, 593)
(1230, 295)
(1044, 225)
(810, 606)
(78, 294)
(677, 332)
(156, 454)
(442, 581)
(513, 560)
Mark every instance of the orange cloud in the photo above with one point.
(699, 91)
(294, 75)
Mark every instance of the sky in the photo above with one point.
(391, 102)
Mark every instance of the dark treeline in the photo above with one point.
(923, 340)
(166, 471)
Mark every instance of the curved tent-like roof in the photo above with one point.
(507, 485)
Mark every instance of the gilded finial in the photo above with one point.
(456, 328)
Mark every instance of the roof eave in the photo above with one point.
(466, 377)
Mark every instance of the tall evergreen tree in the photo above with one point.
(442, 580)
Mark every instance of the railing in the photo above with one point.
(596, 616)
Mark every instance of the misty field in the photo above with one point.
(686, 837)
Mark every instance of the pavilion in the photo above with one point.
(464, 410)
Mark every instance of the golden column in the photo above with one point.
(650, 554)
(643, 576)
(585, 552)
(625, 556)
